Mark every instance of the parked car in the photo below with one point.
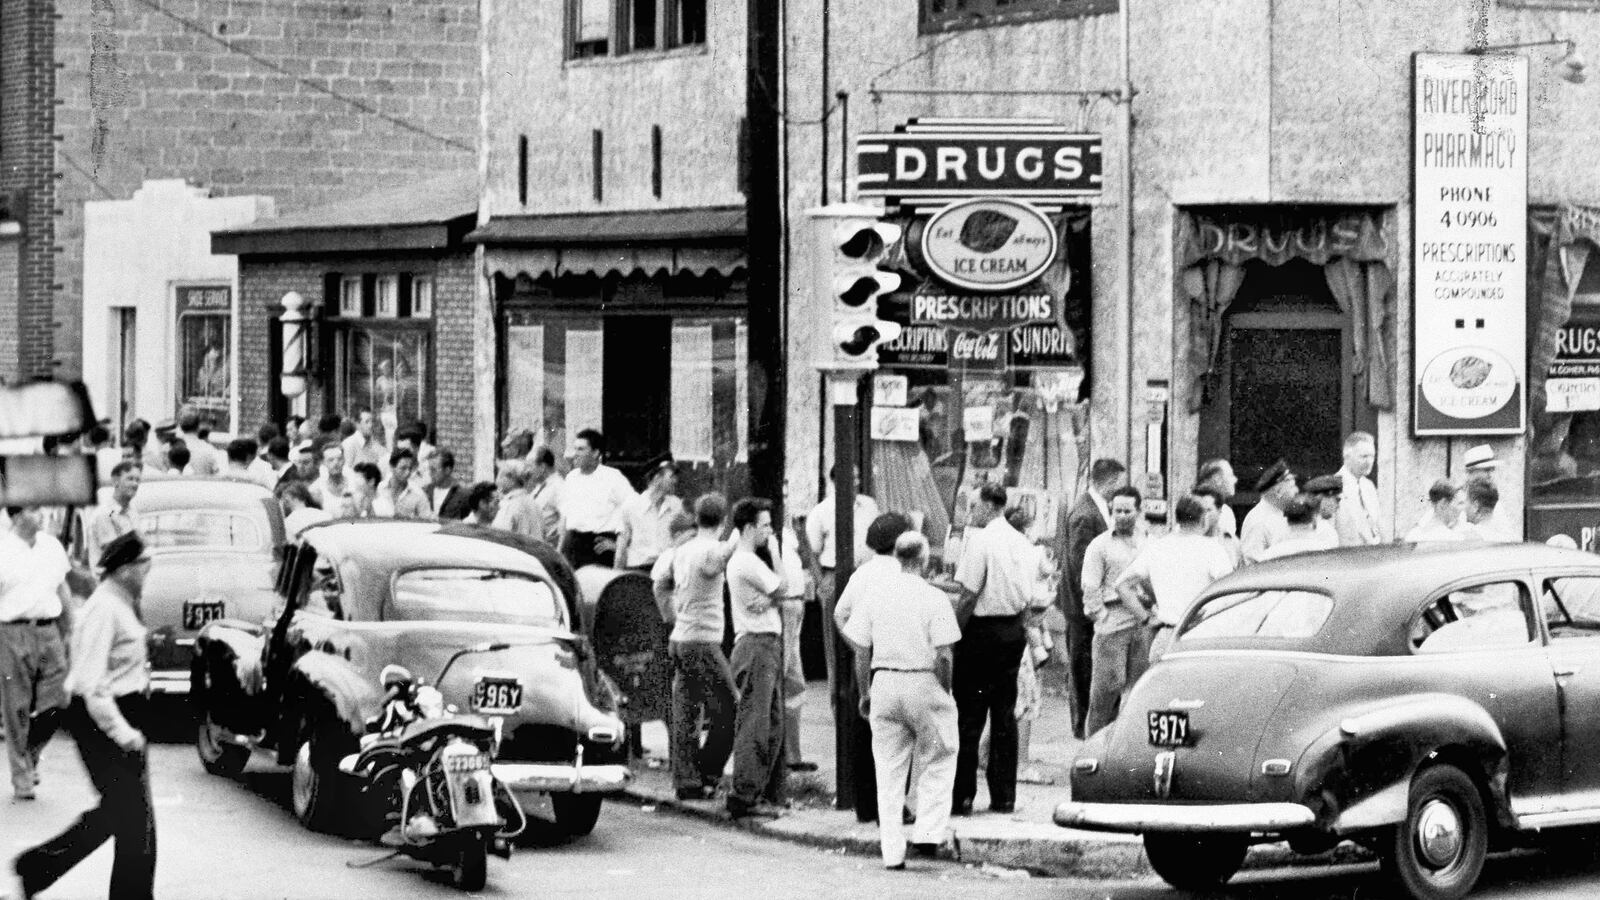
(358, 595)
(215, 545)
(1431, 702)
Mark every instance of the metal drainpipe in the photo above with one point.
(1125, 258)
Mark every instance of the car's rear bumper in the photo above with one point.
(1138, 818)
(563, 777)
(169, 681)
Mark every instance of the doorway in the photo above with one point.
(1285, 387)
(123, 394)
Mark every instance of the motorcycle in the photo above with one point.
(426, 784)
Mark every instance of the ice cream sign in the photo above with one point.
(988, 244)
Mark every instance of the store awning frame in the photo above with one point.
(652, 242)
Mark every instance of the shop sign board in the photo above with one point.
(989, 244)
(894, 423)
(1572, 382)
(934, 160)
(978, 350)
(980, 312)
(1046, 346)
(1470, 177)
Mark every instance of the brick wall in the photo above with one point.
(262, 283)
(26, 116)
(235, 96)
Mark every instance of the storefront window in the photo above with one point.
(205, 324)
(386, 370)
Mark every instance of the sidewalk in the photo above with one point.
(1026, 839)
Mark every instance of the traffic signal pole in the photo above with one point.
(847, 733)
(764, 255)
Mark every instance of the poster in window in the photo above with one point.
(692, 406)
(585, 379)
(525, 384)
(387, 372)
(205, 318)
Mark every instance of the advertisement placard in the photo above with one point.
(1469, 312)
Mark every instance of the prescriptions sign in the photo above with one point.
(1470, 171)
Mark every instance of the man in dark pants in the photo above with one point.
(1087, 518)
(996, 574)
(109, 680)
(754, 593)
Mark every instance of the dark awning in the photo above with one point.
(707, 226)
(428, 215)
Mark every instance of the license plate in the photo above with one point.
(496, 695)
(196, 613)
(1168, 727)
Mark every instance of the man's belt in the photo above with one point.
(36, 622)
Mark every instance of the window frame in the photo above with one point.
(989, 13)
(422, 300)
(1532, 622)
(667, 35)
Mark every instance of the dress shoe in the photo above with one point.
(1003, 808)
(907, 817)
(740, 809)
(925, 851)
(802, 767)
(897, 867)
(704, 792)
(27, 794)
(961, 807)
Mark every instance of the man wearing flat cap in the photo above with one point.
(1326, 491)
(1265, 525)
(647, 517)
(109, 713)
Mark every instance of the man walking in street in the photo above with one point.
(757, 662)
(1357, 520)
(33, 658)
(1088, 518)
(591, 504)
(874, 577)
(115, 519)
(902, 638)
(1264, 524)
(647, 517)
(701, 682)
(1170, 571)
(1121, 642)
(996, 574)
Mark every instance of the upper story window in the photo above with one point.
(943, 15)
(620, 27)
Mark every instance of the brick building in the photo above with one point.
(303, 101)
(390, 286)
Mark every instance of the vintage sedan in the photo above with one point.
(478, 616)
(214, 548)
(1431, 702)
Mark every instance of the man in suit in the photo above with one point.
(1086, 519)
(1357, 518)
(448, 498)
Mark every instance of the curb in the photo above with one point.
(1067, 856)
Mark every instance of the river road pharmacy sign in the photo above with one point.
(1470, 172)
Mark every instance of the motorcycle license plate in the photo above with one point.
(1168, 727)
(196, 613)
(496, 695)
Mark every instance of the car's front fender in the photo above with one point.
(225, 678)
(1360, 768)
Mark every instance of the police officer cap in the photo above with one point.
(124, 550)
(1325, 484)
(1273, 474)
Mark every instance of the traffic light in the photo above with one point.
(853, 248)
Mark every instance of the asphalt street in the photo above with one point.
(237, 839)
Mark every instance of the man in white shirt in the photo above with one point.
(1088, 518)
(820, 536)
(1446, 519)
(757, 661)
(1327, 495)
(330, 487)
(872, 578)
(298, 511)
(1304, 535)
(902, 637)
(1171, 571)
(33, 659)
(397, 497)
(1357, 520)
(204, 459)
(1264, 524)
(1482, 500)
(997, 574)
(1121, 640)
(111, 521)
(591, 504)
(1219, 474)
(544, 492)
(647, 517)
(361, 446)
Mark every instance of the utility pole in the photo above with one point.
(764, 253)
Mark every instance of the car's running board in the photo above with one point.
(1558, 819)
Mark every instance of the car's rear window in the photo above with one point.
(1278, 614)
(207, 529)
(472, 595)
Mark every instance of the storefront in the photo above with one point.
(632, 323)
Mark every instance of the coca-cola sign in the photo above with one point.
(978, 350)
